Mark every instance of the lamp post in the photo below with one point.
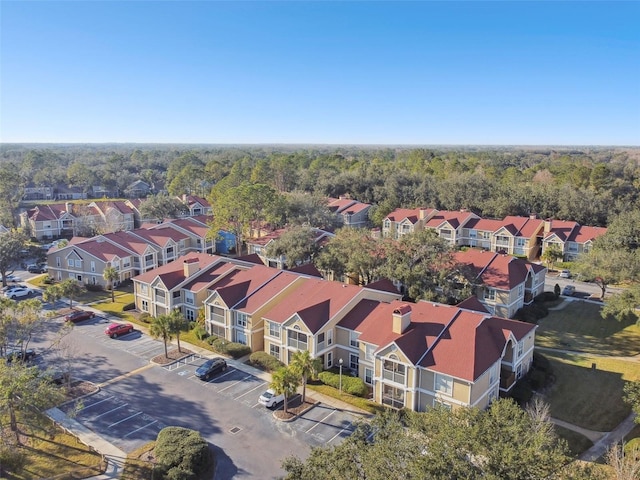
(340, 363)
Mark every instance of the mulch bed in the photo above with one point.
(172, 356)
(295, 408)
(80, 388)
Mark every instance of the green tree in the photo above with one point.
(10, 245)
(23, 391)
(71, 289)
(177, 324)
(624, 306)
(556, 290)
(297, 245)
(552, 254)
(305, 366)
(111, 275)
(632, 397)
(352, 253)
(162, 207)
(285, 381)
(309, 210)
(160, 327)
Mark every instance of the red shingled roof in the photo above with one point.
(453, 218)
(242, 283)
(172, 274)
(584, 234)
(400, 214)
(562, 229)
(497, 270)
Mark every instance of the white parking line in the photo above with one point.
(320, 421)
(337, 434)
(138, 429)
(223, 375)
(106, 413)
(261, 384)
(124, 419)
(235, 383)
(89, 406)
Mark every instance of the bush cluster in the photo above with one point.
(225, 347)
(264, 361)
(145, 317)
(93, 288)
(539, 376)
(534, 312)
(182, 454)
(351, 385)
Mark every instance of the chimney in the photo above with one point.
(68, 207)
(423, 213)
(401, 318)
(184, 198)
(547, 225)
(191, 266)
(533, 216)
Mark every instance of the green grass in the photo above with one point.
(137, 469)
(589, 398)
(580, 327)
(361, 403)
(577, 442)
(115, 308)
(61, 455)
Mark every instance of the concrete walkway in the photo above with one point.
(601, 446)
(590, 434)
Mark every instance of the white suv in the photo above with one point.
(270, 399)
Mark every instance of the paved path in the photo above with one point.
(602, 445)
(590, 434)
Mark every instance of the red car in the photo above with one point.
(79, 315)
(116, 329)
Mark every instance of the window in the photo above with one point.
(93, 266)
(241, 337)
(274, 351)
(520, 348)
(169, 252)
(176, 294)
(473, 233)
(274, 329)
(493, 374)
(217, 330)
(444, 384)
(144, 289)
(392, 396)
(320, 341)
(70, 262)
(519, 371)
(190, 315)
(217, 313)
(445, 232)
(78, 263)
(297, 339)
(79, 278)
(369, 349)
(126, 263)
(502, 240)
(353, 362)
(329, 359)
(368, 376)
(392, 370)
(241, 319)
(521, 242)
(329, 337)
(490, 294)
(57, 261)
(353, 339)
(520, 289)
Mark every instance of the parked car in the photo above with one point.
(19, 292)
(79, 315)
(37, 268)
(270, 399)
(116, 329)
(210, 368)
(569, 290)
(565, 274)
(11, 287)
(11, 278)
(19, 354)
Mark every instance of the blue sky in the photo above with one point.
(424, 73)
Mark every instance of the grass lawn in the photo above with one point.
(577, 442)
(580, 327)
(51, 456)
(590, 398)
(136, 466)
(116, 307)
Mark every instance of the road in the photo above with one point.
(583, 289)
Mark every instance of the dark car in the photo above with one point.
(210, 368)
(116, 329)
(19, 354)
(36, 268)
(79, 315)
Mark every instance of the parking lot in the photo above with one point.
(112, 416)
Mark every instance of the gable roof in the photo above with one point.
(172, 273)
(561, 229)
(584, 234)
(453, 218)
(242, 283)
(497, 270)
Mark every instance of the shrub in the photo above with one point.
(225, 347)
(93, 288)
(200, 332)
(129, 306)
(351, 385)
(145, 317)
(48, 280)
(534, 312)
(545, 297)
(182, 454)
(522, 392)
(264, 361)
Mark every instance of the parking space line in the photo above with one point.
(223, 375)
(340, 432)
(141, 428)
(235, 383)
(124, 419)
(113, 410)
(255, 388)
(89, 406)
(321, 421)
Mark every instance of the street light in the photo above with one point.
(340, 363)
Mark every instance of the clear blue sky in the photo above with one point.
(321, 72)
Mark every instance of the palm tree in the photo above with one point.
(52, 293)
(111, 275)
(161, 328)
(305, 366)
(70, 288)
(285, 381)
(177, 323)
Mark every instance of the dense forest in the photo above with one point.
(589, 185)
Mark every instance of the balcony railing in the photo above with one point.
(507, 379)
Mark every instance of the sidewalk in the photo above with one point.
(601, 446)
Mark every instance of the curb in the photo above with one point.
(96, 390)
(298, 415)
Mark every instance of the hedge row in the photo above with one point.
(264, 361)
(182, 454)
(351, 385)
(225, 347)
